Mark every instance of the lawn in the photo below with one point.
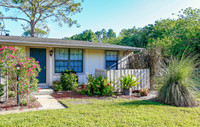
(112, 112)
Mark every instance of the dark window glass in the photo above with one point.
(111, 60)
(68, 59)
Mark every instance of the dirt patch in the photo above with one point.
(11, 104)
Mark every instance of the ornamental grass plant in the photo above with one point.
(179, 82)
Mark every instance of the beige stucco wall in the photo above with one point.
(23, 47)
(92, 59)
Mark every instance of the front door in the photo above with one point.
(40, 55)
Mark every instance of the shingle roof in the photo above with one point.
(49, 42)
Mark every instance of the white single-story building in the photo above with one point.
(56, 55)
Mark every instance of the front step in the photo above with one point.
(44, 92)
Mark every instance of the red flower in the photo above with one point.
(29, 70)
(6, 73)
(15, 78)
(38, 62)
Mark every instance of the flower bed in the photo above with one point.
(74, 94)
(11, 104)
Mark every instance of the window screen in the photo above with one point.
(111, 60)
(68, 59)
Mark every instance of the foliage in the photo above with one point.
(1, 90)
(172, 36)
(38, 33)
(179, 81)
(113, 112)
(99, 86)
(150, 58)
(111, 33)
(29, 70)
(38, 11)
(57, 85)
(129, 81)
(69, 81)
(83, 92)
(23, 102)
(89, 35)
(86, 35)
(11, 94)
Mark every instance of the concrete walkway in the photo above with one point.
(47, 102)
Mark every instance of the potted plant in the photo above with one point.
(128, 82)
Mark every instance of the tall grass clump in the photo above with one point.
(179, 82)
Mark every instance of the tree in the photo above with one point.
(86, 35)
(38, 11)
(104, 34)
(99, 35)
(38, 33)
(177, 36)
(111, 33)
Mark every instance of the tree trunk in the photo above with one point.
(32, 29)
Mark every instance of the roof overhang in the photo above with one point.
(46, 44)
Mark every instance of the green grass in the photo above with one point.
(112, 112)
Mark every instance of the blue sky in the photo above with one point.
(115, 14)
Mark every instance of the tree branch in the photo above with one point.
(15, 18)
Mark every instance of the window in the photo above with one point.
(111, 60)
(68, 59)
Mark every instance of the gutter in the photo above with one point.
(41, 44)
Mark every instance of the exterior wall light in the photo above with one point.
(51, 52)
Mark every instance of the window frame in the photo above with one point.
(111, 60)
(68, 60)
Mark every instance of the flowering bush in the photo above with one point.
(29, 70)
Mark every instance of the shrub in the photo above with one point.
(23, 102)
(57, 86)
(29, 71)
(178, 81)
(129, 81)
(11, 94)
(69, 81)
(99, 86)
(83, 91)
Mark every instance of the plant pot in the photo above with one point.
(128, 92)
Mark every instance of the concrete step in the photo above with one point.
(44, 92)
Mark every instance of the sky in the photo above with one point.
(115, 14)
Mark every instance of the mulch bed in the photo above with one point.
(11, 104)
(74, 94)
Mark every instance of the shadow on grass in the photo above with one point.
(141, 102)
